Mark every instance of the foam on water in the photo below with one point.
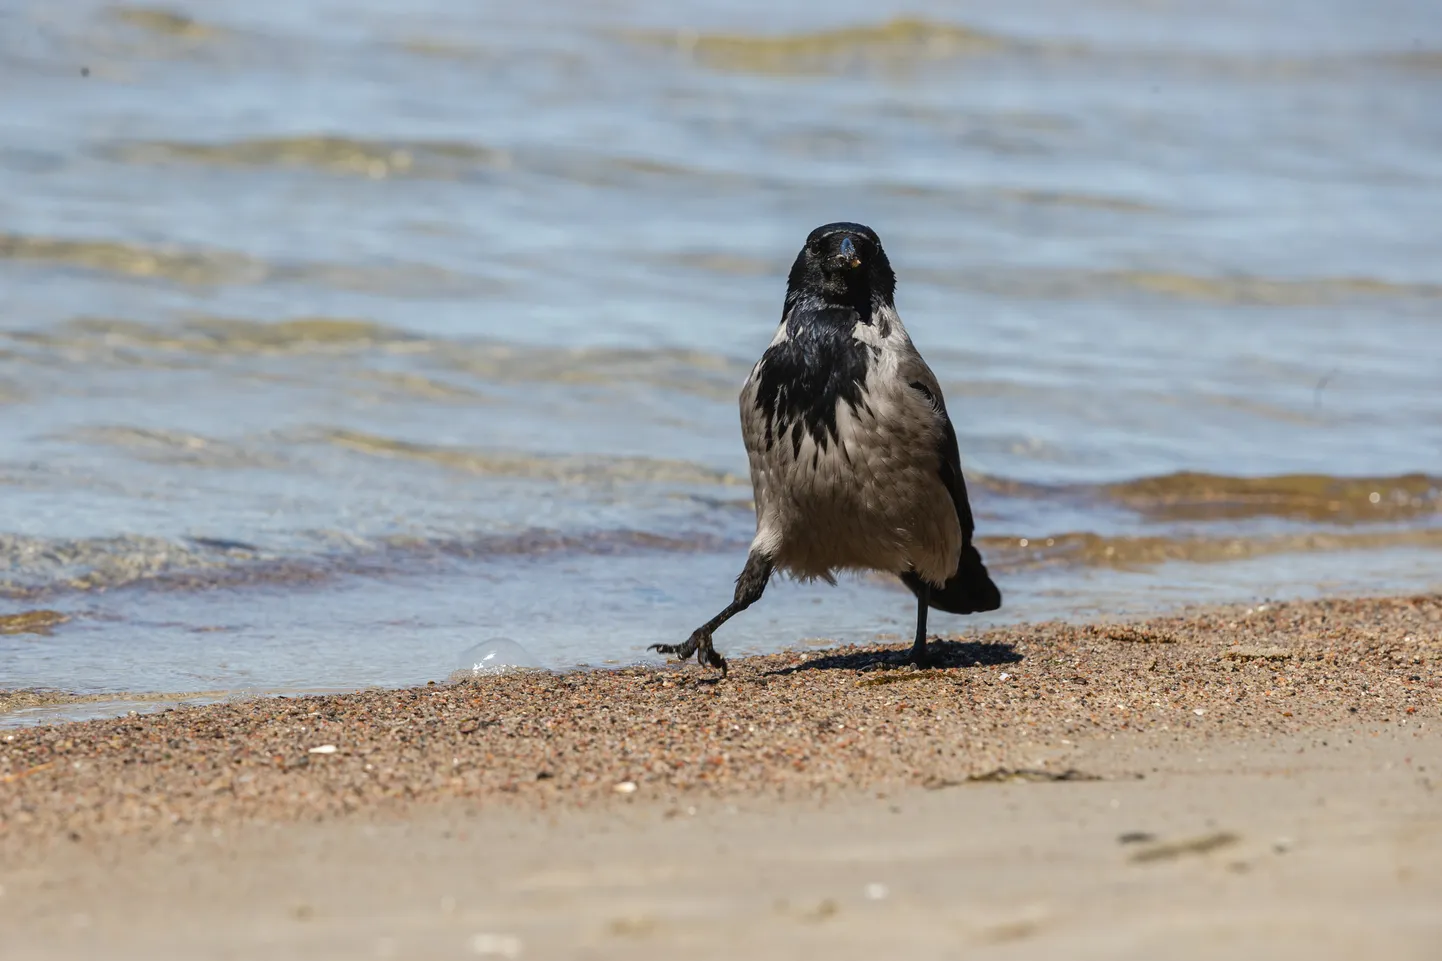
(499, 655)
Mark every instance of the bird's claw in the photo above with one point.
(699, 643)
(920, 656)
(682, 651)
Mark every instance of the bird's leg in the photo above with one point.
(749, 587)
(918, 654)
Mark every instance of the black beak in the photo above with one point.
(847, 255)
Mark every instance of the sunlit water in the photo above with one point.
(336, 339)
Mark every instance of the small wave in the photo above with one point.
(441, 49)
(1238, 290)
(1319, 497)
(32, 622)
(419, 386)
(37, 566)
(211, 268)
(34, 567)
(566, 469)
(168, 23)
(197, 267)
(131, 342)
(1198, 496)
(333, 154)
(898, 42)
(1082, 549)
(417, 159)
(903, 42)
(177, 447)
(204, 334)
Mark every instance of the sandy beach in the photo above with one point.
(1255, 779)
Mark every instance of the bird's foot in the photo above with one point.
(920, 655)
(699, 643)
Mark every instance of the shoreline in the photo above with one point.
(15, 700)
(796, 723)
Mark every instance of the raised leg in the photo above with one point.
(918, 654)
(749, 587)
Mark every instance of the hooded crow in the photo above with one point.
(853, 457)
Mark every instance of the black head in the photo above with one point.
(842, 265)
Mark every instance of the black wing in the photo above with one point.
(970, 590)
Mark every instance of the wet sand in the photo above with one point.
(1255, 779)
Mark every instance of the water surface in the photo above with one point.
(337, 338)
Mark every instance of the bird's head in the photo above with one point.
(843, 265)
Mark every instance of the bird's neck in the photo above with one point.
(841, 304)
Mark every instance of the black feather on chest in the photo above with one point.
(801, 380)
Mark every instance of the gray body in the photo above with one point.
(873, 499)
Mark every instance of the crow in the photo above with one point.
(854, 461)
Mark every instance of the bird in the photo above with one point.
(854, 460)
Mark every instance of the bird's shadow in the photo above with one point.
(942, 654)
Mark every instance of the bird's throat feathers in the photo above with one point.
(823, 302)
(815, 364)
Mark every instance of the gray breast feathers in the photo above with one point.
(860, 484)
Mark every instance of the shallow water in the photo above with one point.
(337, 339)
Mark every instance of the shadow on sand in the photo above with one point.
(943, 654)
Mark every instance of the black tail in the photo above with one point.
(969, 591)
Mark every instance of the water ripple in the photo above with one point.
(210, 267)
